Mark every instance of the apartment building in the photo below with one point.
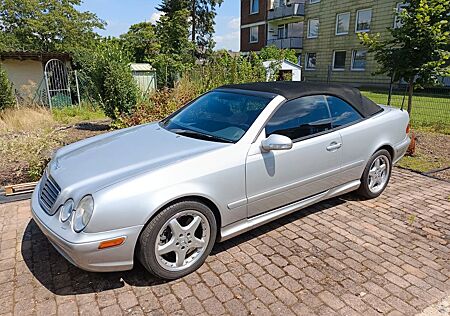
(323, 32)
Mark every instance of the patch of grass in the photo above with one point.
(429, 112)
(74, 114)
(419, 163)
(24, 119)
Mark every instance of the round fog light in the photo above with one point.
(66, 210)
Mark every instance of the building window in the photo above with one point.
(339, 60)
(359, 59)
(342, 23)
(282, 31)
(314, 1)
(254, 6)
(313, 28)
(254, 34)
(363, 20)
(310, 63)
(400, 7)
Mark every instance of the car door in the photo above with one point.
(280, 177)
(355, 137)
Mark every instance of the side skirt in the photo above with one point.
(247, 224)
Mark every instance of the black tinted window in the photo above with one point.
(301, 117)
(218, 114)
(342, 113)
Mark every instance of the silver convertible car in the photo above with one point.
(233, 159)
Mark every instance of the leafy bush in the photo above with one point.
(107, 79)
(6, 93)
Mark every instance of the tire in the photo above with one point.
(172, 235)
(370, 176)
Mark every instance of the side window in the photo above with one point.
(342, 113)
(300, 118)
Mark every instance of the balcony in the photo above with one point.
(287, 43)
(287, 11)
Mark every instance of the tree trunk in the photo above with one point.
(410, 94)
(193, 16)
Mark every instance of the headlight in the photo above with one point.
(66, 210)
(83, 213)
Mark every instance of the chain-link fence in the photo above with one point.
(430, 106)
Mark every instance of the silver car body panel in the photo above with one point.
(133, 173)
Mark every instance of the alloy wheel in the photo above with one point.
(182, 240)
(378, 174)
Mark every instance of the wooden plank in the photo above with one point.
(20, 188)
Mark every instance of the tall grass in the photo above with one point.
(24, 119)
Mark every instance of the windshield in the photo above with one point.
(218, 116)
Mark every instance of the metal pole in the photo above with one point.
(404, 95)
(48, 90)
(78, 87)
(390, 89)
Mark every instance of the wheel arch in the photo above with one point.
(387, 147)
(199, 198)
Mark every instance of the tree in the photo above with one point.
(202, 13)
(274, 53)
(107, 78)
(176, 51)
(417, 50)
(6, 92)
(46, 25)
(141, 42)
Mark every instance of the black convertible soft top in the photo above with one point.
(295, 89)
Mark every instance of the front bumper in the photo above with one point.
(82, 249)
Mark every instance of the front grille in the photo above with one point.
(48, 193)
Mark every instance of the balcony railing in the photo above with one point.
(286, 11)
(290, 42)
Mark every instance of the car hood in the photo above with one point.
(108, 158)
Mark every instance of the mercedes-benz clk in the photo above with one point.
(235, 158)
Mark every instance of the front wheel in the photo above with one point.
(376, 175)
(178, 240)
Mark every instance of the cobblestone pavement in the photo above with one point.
(389, 256)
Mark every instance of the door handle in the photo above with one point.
(334, 146)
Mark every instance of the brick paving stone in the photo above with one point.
(344, 256)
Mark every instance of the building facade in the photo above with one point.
(323, 32)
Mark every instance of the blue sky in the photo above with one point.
(121, 14)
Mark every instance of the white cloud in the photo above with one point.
(155, 17)
(229, 41)
(228, 36)
(235, 23)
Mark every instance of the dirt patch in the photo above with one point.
(25, 154)
(432, 155)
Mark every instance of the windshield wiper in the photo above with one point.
(199, 135)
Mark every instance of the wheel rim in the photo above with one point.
(182, 240)
(378, 174)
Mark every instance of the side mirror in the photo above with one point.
(276, 142)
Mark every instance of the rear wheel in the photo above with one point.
(376, 175)
(178, 240)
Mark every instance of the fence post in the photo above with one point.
(390, 89)
(78, 87)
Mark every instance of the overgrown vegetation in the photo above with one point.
(6, 94)
(29, 135)
(107, 79)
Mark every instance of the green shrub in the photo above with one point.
(6, 93)
(107, 79)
